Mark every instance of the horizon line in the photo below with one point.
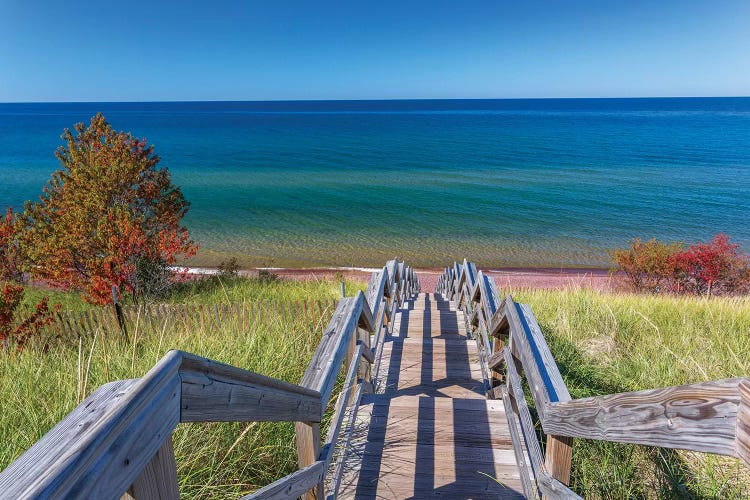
(383, 99)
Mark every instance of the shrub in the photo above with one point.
(17, 325)
(648, 266)
(229, 268)
(106, 211)
(713, 268)
(10, 263)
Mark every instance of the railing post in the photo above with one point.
(158, 478)
(308, 451)
(557, 457)
(742, 434)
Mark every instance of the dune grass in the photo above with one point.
(215, 460)
(607, 343)
(236, 289)
(604, 343)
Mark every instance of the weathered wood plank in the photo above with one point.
(743, 422)
(542, 386)
(293, 485)
(529, 488)
(347, 390)
(375, 290)
(215, 392)
(323, 369)
(158, 479)
(699, 417)
(515, 390)
(308, 450)
(365, 316)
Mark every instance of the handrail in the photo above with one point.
(709, 417)
(122, 432)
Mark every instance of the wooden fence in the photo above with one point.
(189, 318)
(118, 441)
(708, 417)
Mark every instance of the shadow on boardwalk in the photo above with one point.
(431, 432)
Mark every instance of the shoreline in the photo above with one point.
(505, 277)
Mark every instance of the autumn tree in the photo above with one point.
(104, 215)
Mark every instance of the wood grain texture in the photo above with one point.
(530, 489)
(323, 369)
(743, 423)
(515, 390)
(308, 450)
(699, 417)
(293, 485)
(158, 479)
(558, 454)
(365, 315)
(215, 392)
(542, 388)
(375, 290)
(350, 386)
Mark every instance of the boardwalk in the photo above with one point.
(430, 432)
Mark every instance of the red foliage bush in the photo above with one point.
(17, 325)
(10, 264)
(713, 268)
(648, 265)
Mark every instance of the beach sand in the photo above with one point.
(505, 278)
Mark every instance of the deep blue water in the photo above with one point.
(554, 182)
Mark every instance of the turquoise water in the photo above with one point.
(505, 182)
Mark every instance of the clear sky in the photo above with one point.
(278, 49)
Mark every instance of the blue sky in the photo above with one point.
(276, 50)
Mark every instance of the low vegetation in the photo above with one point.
(608, 343)
(714, 268)
(41, 384)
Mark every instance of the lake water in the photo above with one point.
(552, 182)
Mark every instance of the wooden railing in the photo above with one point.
(708, 417)
(118, 441)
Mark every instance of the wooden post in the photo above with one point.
(308, 451)
(158, 479)
(557, 457)
(742, 439)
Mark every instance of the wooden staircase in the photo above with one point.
(433, 404)
(429, 430)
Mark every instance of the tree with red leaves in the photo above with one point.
(102, 216)
(712, 268)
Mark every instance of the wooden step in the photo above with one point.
(431, 433)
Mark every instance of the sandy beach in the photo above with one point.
(505, 278)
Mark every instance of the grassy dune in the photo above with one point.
(603, 343)
(215, 460)
(614, 343)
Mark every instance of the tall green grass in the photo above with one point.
(606, 343)
(38, 387)
(236, 289)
